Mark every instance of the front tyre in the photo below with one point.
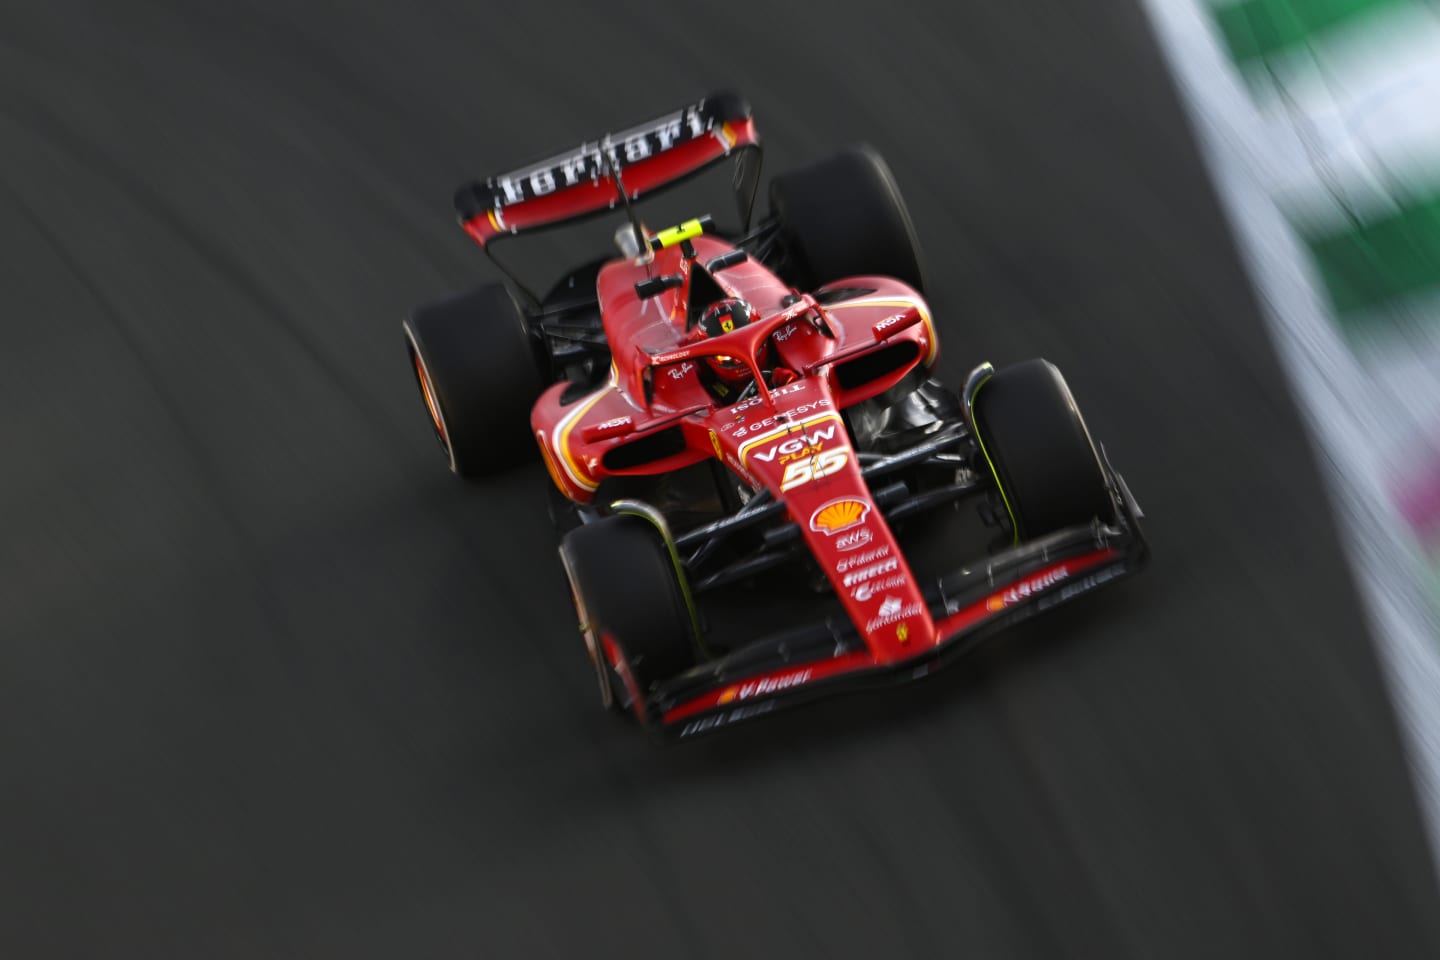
(479, 375)
(1043, 457)
(634, 613)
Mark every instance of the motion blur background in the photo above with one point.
(272, 683)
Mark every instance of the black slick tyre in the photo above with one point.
(478, 372)
(1044, 459)
(844, 217)
(627, 590)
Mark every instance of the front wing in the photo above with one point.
(823, 658)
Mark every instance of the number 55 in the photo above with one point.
(821, 465)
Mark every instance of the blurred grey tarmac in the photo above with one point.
(272, 683)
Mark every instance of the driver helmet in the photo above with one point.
(720, 318)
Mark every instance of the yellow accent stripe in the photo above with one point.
(550, 461)
(1014, 525)
(934, 337)
(748, 445)
(562, 442)
(929, 324)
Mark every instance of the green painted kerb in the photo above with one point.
(1259, 28)
(1370, 264)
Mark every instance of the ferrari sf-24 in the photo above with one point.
(762, 492)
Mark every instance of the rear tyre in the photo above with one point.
(844, 217)
(479, 375)
(627, 591)
(1043, 456)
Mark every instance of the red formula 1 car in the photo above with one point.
(759, 484)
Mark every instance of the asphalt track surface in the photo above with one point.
(273, 683)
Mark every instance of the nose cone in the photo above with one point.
(801, 452)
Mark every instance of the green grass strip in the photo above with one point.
(1259, 28)
(1369, 265)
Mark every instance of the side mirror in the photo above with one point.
(716, 264)
(646, 289)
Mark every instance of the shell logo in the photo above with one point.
(728, 695)
(839, 515)
(995, 604)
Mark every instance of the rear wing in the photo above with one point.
(645, 158)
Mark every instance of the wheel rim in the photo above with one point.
(592, 642)
(615, 656)
(431, 403)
